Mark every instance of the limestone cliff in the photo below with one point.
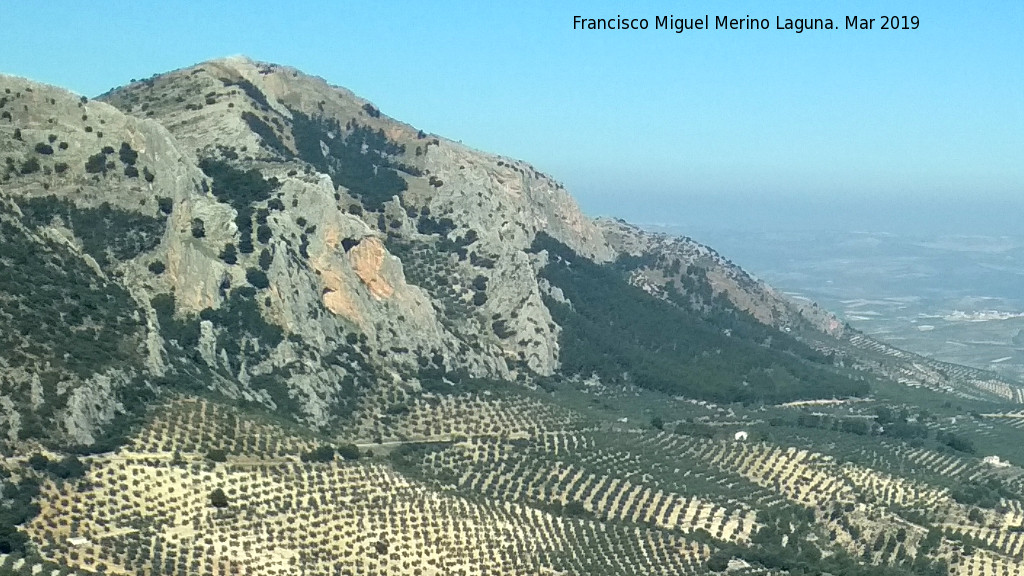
(242, 229)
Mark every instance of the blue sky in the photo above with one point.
(647, 125)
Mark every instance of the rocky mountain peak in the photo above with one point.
(248, 231)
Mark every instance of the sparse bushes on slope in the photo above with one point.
(250, 90)
(361, 160)
(103, 230)
(267, 133)
(239, 189)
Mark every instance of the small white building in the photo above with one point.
(740, 436)
(995, 462)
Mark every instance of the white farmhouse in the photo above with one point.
(995, 462)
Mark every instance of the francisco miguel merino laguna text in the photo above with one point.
(797, 25)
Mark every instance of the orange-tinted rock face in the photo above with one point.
(368, 261)
(335, 294)
(339, 302)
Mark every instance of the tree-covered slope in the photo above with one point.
(618, 332)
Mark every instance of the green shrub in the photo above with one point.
(127, 155)
(157, 267)
(349, 451)
(69, 467)
(229, 255)
(263, 234)
(96, 164)
(43, 148)
(166, 205)
(257, 278)
(718, 563)
(30, 166)
(319, 454)
(218, 498)
(38, 462)
(575, 508)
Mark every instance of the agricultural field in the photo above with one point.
(188, 496)
(543, 482)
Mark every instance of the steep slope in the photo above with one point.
(85, 195)
(469, 215)
(285, 333)
(695, 277)
(266, 271)
(281, 242)
(461, 223)
(676, 266)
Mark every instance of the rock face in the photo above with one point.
(243, 229)
(297, 299)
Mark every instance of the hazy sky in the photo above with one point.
(649, 125)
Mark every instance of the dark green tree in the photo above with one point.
(218, 498)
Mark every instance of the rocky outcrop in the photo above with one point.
(503, 203)
(333, 278)
(670, 256)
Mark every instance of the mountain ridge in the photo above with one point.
(480, 209)
(256, 296)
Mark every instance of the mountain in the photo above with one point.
(237, 298)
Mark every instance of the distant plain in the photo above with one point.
(956, 298)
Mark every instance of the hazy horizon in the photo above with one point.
(696, 217)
